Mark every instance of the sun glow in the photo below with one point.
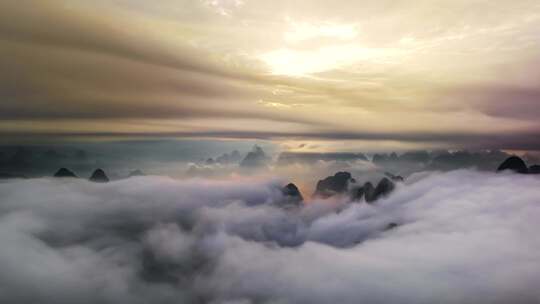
(305, 31)
(293, 62)
(314, 47)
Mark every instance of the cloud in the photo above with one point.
(462, 237)
(80, 70)
(102, 63)
(510, 102)
(459, 242)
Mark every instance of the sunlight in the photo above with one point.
(305, 31)
(293, 62)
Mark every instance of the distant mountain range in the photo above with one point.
(28, 162)
(341, 184)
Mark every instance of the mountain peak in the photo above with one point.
(99, 176)
(336, 184)
(64, 172)
(515, 164)
(292, 194)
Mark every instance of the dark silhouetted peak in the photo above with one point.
(255, 158)
(99, 176)
(136, 173)
(384, 187)
(63, 172)
(334, 184)
(395, 178)
(292, 194)
(369, 191)
(515, 164)
(391, 226)
(291, 190)
(534, 169)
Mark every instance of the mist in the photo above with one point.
(460, 237)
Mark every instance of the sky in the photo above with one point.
(306, 75)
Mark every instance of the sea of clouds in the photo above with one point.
(462, 237)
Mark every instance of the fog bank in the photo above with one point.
(461, 237)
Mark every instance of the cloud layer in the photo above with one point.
(462, 237)
(452, 73)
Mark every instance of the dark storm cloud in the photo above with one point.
(462, 238)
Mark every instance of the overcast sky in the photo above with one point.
(338, 74)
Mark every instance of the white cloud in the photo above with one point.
(463, 237)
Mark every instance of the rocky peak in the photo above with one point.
(371, 194)
(63, 172)
(336, 184)
(99, 176)
(292, 194)
(515, 164)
